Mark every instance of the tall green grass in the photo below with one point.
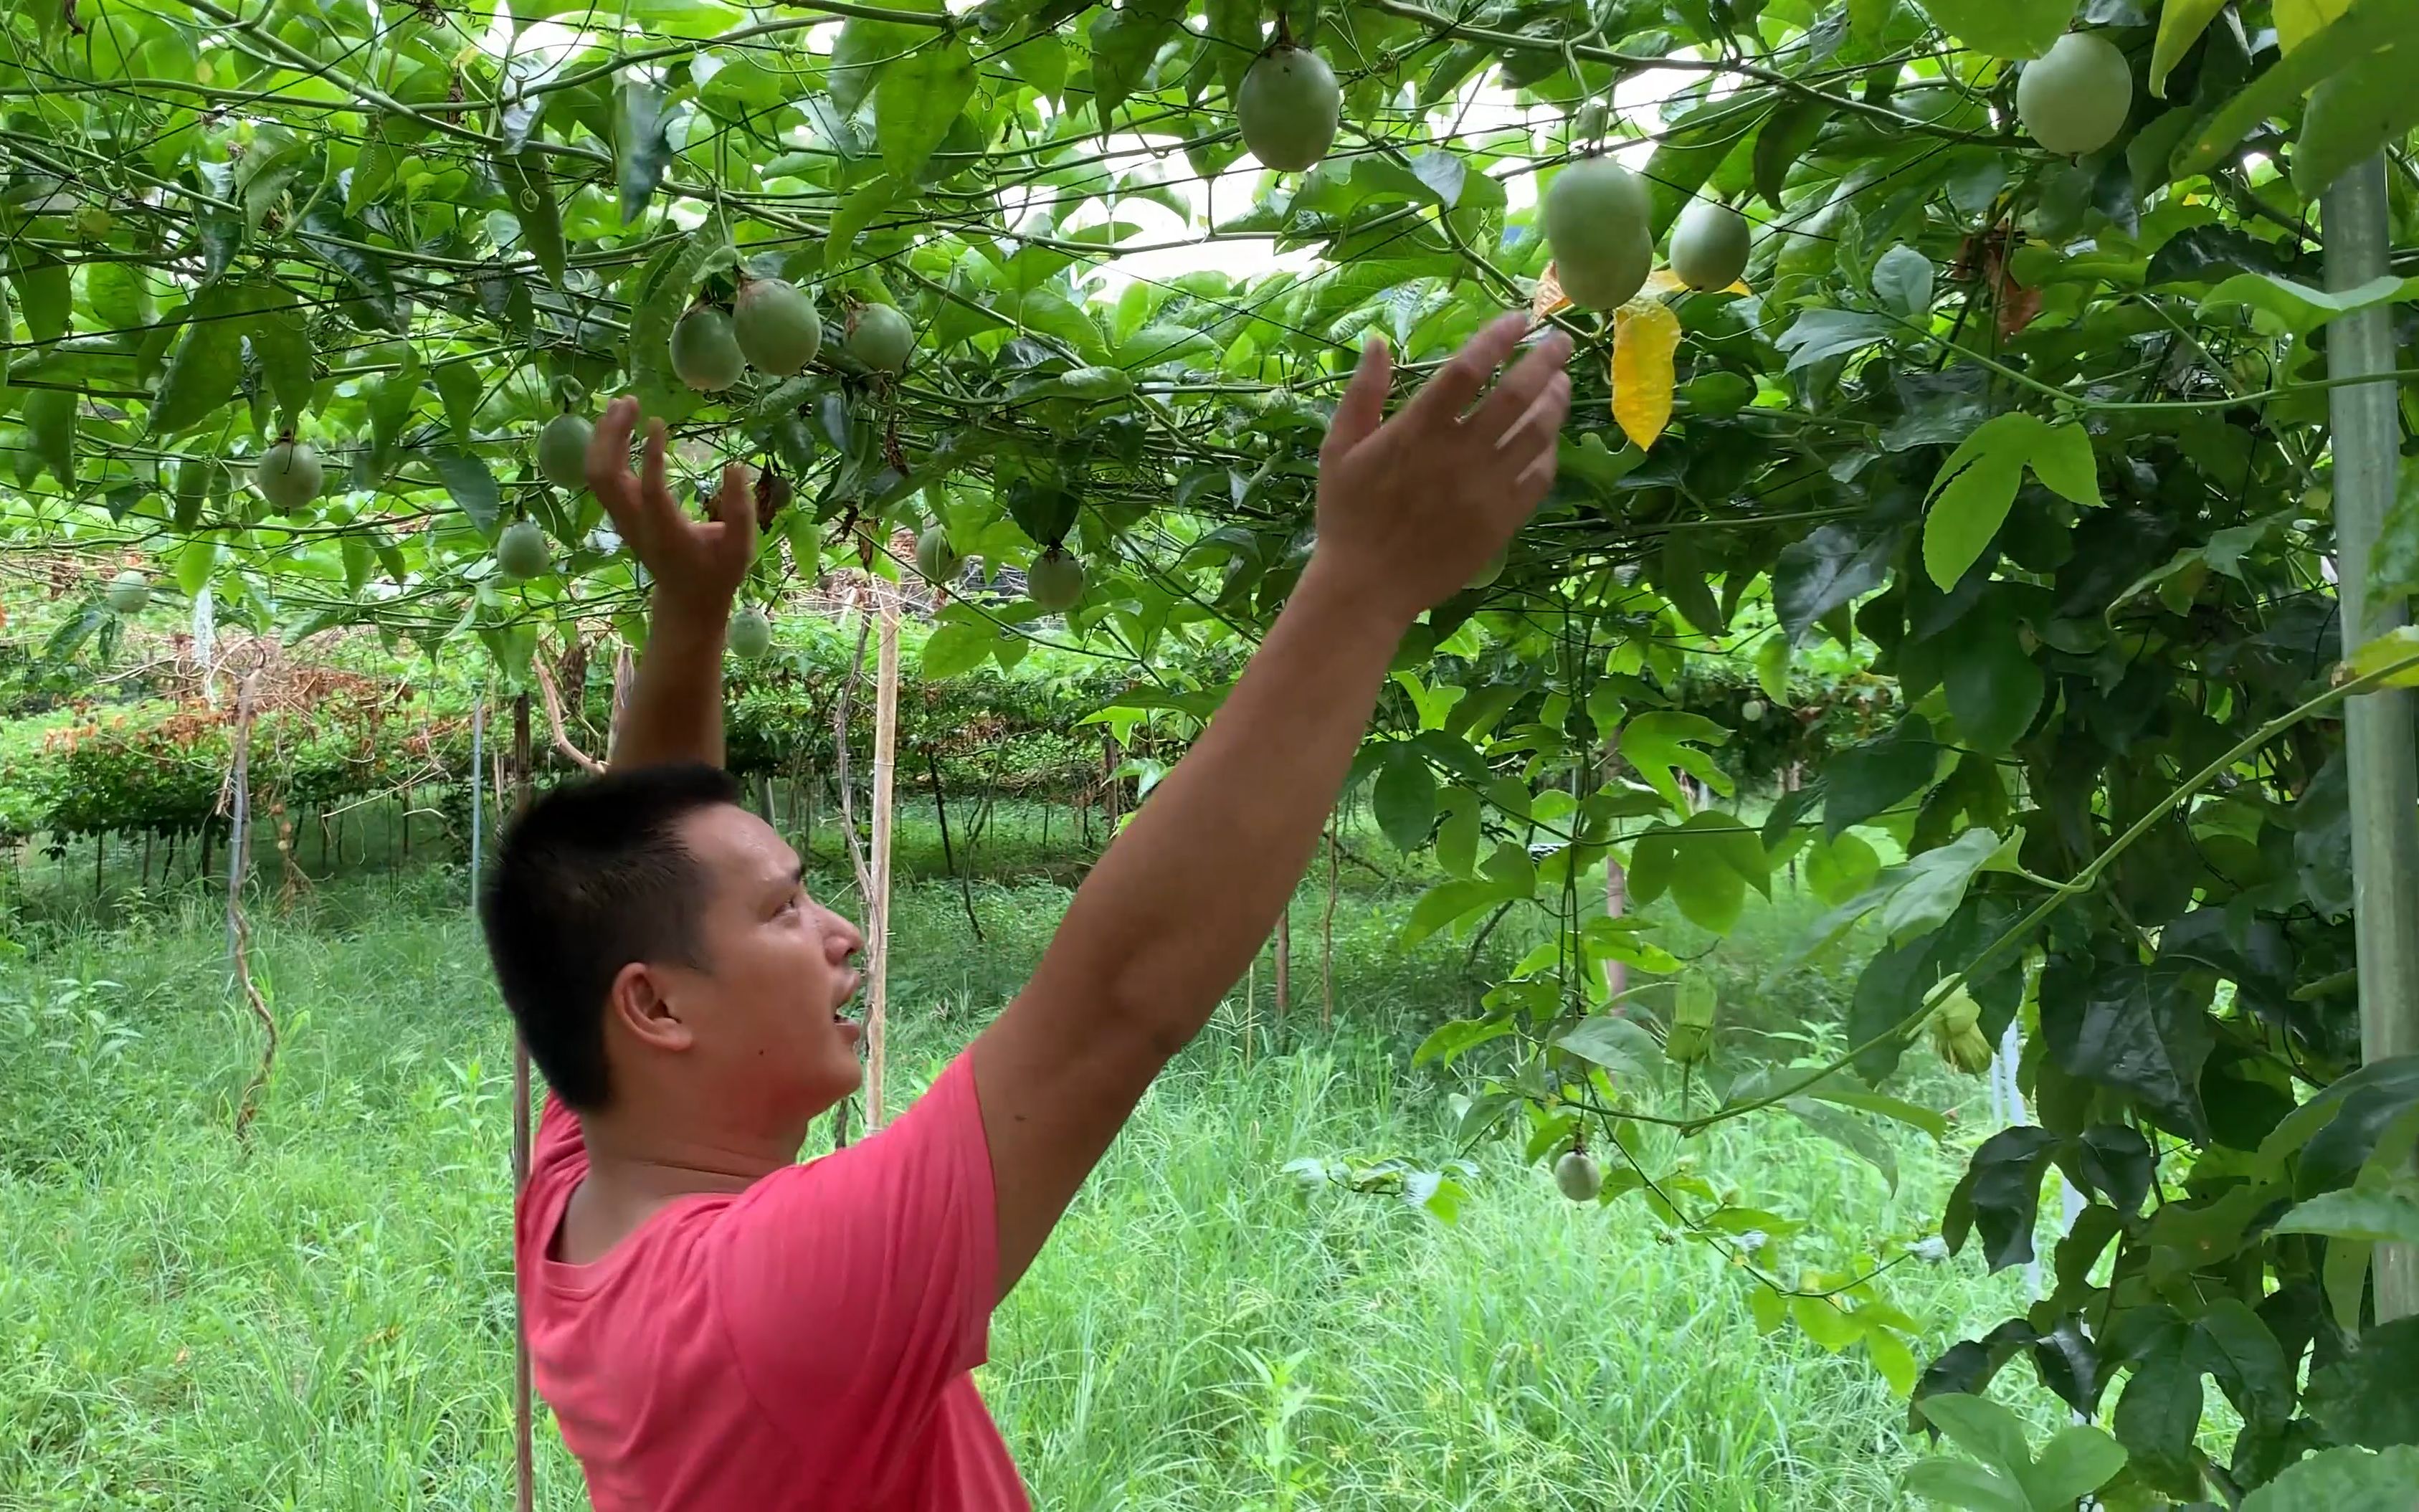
(321, 1318)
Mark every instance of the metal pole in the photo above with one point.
(524, 1460)
(2377, 748)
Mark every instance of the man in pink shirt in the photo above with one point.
(717, 1326)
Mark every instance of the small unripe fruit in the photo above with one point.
(1492, 569)
(128, 593)
(1578, 1175)
(1709, 245)
(776, 327)
(1596, 215)
(1752, 711)
(706, 354)
(2074, 99)
(750, 635)
(521, 551)
(935, 558)
(880, 337)
(1591, 121)
(1055, 581)
(562, 451)
(1288, 107)
(288, 475)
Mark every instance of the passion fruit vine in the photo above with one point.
(1596, 215)
(1288, 107)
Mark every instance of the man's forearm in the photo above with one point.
(675, 713)
(1169, 918)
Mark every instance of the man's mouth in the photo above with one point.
(850, 1030)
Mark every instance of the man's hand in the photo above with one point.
(1409, 509)
(697, 565)
(675, 713)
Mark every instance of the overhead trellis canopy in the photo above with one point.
(1985, 344)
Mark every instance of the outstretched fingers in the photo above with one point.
(1515, 400)
(1364, 404)
(1458, 382)
(1529, 445)
(609, 460)
(734, 510)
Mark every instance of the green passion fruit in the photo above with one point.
(288, 475)
(1288, 107)
(706, 354)
(1055, 580)
(750, 634)
(128, 593)
(935, 558)
(562, 451)
(1578, 1175)
(777, 326)
(880, 337)
(2074, 99)
(1596, 214)
(1709, 245)
(521, 551)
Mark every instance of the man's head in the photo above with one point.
(652, 936)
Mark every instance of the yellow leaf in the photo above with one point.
(1548, 297)
(1645, 333)
(1661, 281)
(2297, 20)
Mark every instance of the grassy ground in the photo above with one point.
(323, 1319)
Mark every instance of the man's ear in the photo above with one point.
(640, 1004)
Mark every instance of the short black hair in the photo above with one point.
(592, 876)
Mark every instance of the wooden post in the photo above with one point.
(524, 1457)
(1284, 963)
(1251, 1003)
(885, 762)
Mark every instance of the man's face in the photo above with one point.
(774, 968)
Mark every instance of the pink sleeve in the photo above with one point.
(856, 1286)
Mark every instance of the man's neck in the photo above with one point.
(634, 1173)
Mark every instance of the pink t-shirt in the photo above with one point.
(805, 1344)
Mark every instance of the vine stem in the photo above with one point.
(2081, 882)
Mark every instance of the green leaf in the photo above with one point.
(1969, 509)
(1935, 885)
(916, 100)
(1820, 333)
(1405, 797)
(2342, 1480)
(2077, 1461)
(2362, 31)
(530, 187)
(194, 561)
(2387, 1215)
(1125, 42)
(203, 371)
(2365, 1398)
(1994, 689)
(2181, 24)
(2003, 28)
(1783, 143)
(1621, 1045)
(2061, 458)
(2002, 1191)
(2108, 1019)
(1982, 1428)
(2297, 309)
(2231, 1344)
(640, 150)
(1902, 281)
(1663, 742)
(45, 294)
(1449, 1039)
(1831, 567)
(1869, 778)
(472, 487)
(50, 416)
(280, 340)
(958, 646)
(457, 384)
(1850, 1133)
(1840, 867)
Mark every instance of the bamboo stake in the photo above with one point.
(524, 1460)
(1327, 937)
(886, 761)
